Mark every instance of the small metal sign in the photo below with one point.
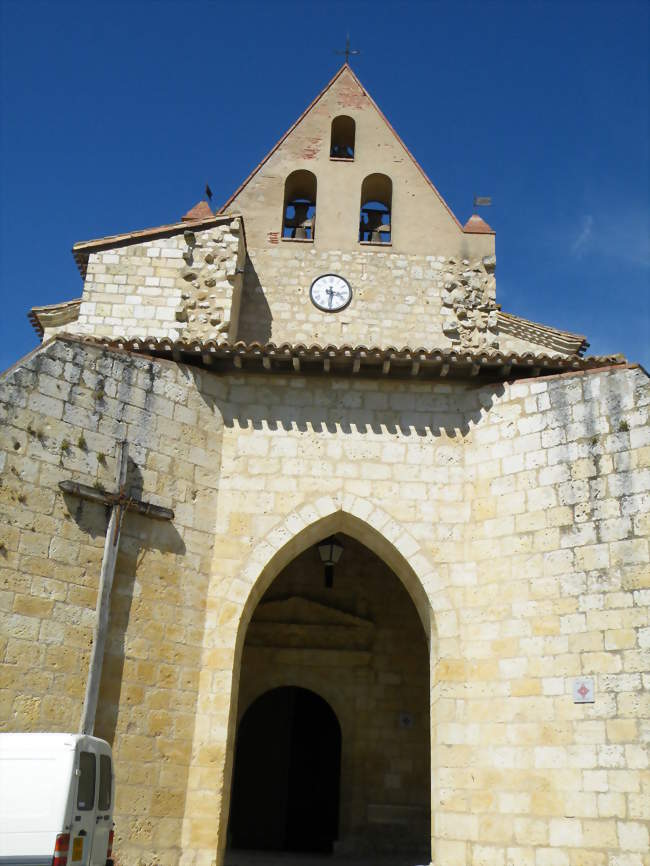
(583, 690)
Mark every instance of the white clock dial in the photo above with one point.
(330, 293)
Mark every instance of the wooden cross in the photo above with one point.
(119, 503)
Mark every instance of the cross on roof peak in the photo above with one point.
(348, 51)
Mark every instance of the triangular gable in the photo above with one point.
(297, 610)
(345, 68)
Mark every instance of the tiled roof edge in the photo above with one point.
(554, 338)
(346, 359)
(66, 311)
(82, 249)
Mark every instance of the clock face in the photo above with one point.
(330, 293)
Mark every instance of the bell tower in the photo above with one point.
(341, 196)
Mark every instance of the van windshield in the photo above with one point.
(104, 799)
(86, 788)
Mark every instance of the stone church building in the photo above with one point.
(401, 609)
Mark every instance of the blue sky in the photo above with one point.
(114, 116)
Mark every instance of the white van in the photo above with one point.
(56, 800)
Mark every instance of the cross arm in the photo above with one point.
(102, 497)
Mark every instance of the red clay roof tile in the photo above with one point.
(476, 364)
(476, 225)
(200, 211)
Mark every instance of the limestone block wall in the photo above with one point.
(397, 299)
(397, 290)
(524, 510)
(515, 515)
(186, 284)
(552, 584)
(62, 410)
(203, 285)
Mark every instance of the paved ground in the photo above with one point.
(261, 858)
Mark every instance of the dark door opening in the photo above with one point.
(285, 793)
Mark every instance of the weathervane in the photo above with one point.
(348, 51)
(482, 201)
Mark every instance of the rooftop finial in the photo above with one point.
(348, 51)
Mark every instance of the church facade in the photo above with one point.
(402, 610)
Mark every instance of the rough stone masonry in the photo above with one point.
(489, 486)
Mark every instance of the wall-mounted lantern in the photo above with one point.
(330, 552)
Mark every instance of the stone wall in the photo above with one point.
(421, 221)
(187, 284)
(397, 300)
(397, 287)
(552, 584)
(414, 291)
(515, 515)
(190, 286)
(62, 412)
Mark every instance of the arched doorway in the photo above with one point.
(286, 779)
(359, 643)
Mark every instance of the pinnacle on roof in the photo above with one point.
(477, 225)
(200, 211)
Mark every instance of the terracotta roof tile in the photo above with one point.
(430, 364)
(200, 211)
(476, 225)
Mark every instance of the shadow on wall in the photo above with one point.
(140, 535)
(323, 406)
(255, 317)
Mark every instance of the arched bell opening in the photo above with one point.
(347, 631)
(376, 209)
(342, 138)
(299, 208)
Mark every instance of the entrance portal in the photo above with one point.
(333, 744)
(287, 774)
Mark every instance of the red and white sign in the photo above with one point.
(583, 690)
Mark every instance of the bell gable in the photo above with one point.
(351, 160)
(337, 238)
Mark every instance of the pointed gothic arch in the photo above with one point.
(368, 524)
(303, 528)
